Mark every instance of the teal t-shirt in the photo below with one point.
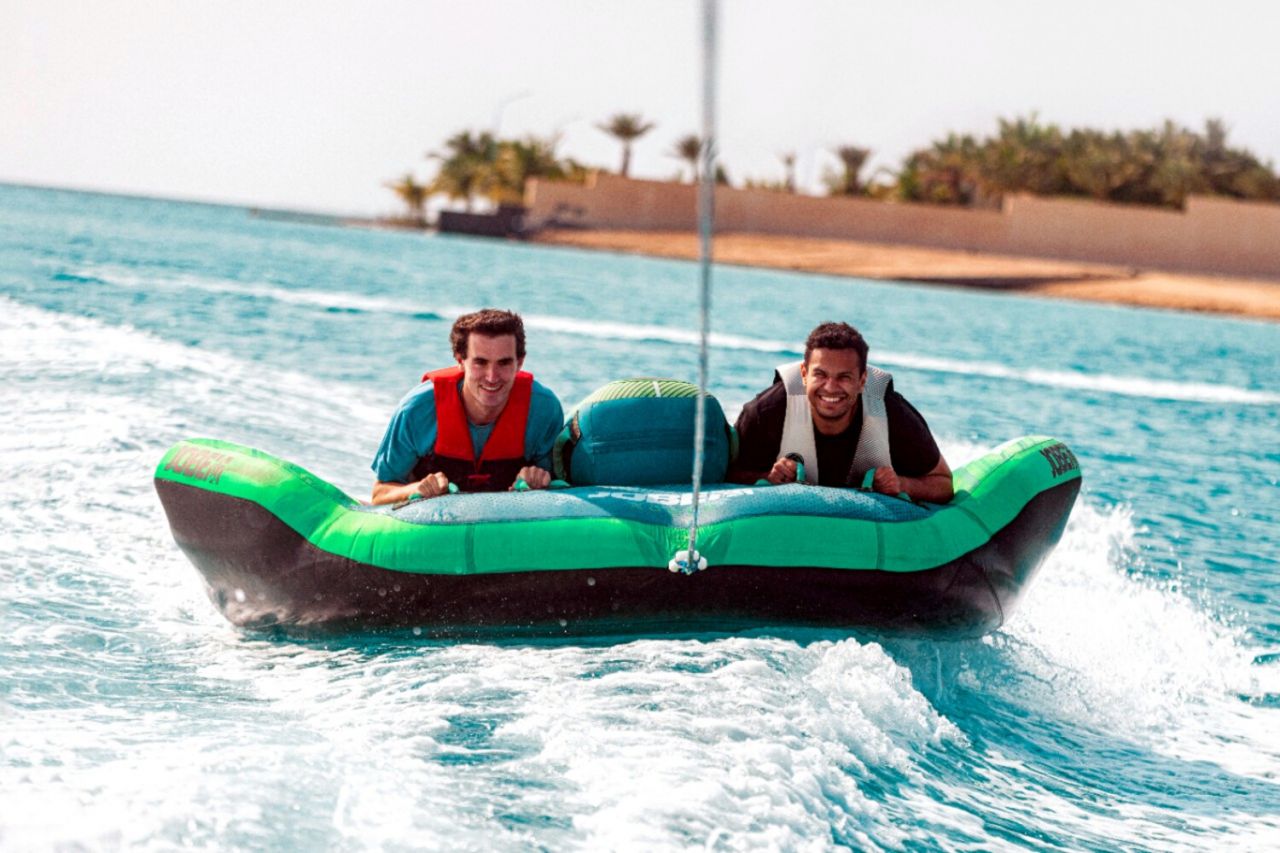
(412, 432)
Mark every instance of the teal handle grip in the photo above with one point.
(799, 460)
(868, 482)
(522, 486)
(418, 496)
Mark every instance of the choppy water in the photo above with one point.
(1133, 701)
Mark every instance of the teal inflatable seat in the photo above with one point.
(639, 432)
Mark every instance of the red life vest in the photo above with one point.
(492, 470)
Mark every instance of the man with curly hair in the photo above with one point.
(483, 425)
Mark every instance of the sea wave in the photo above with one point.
(125, 386)
(329, 300)
(1101, 383)
(1139, 658)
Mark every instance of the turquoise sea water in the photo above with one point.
(1133, 702)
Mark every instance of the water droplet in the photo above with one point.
(591, 581)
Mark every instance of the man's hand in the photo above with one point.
(433, 485)
(783, 471)
(886, 481)
(393, 492)
(934, 487)
(534, 477)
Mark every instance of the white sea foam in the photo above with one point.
(1135, 657)
(1124, 386)
(161, 389)
(654, 744)
(86, 412)
(1129, 676)
(739, 743)
(99, 600)
(327, 299)
(1105, 647)
(758, 742)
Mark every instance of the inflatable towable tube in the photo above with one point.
(278, 546)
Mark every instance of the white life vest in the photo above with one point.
(797, 427)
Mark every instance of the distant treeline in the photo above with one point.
(1153, 167)
(1158, 167)
(481, 165)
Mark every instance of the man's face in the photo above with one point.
(488, 374)
(833, 379)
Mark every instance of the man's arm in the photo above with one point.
(412, 426)
(748, 477)
(430, 486)
(759, 430)
(914, 450)
(934, 487)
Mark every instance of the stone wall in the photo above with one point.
(1213, 235)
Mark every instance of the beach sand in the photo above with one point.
(1033, 276)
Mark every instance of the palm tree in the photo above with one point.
(517, 161)
(626, 128)
(413, 194)
(1178, 171)
(1025, 156)
(466, 165)
(789, 168)
(1101, 166)
(945, 173)
(1234, 172)
(689, 149)
(846, 182)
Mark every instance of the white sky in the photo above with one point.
(313, 105)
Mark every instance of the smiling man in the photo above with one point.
(482, 426)
(844, 420)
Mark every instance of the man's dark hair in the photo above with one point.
(836, 336)
(493, 322)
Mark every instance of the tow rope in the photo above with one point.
(689, 561)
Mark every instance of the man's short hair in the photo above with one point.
(836, 336)
(493, 322)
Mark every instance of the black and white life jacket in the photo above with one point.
(797, 427)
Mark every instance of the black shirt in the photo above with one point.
(912, 449)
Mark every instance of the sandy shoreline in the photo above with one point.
(1032, 276)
